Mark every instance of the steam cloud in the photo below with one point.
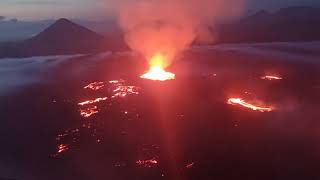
(170, 26)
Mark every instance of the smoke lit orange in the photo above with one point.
(239, 101)
(157, 69)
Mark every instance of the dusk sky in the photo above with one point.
(97, 9)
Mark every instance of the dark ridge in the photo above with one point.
(285, 25)
(61, 38)
(65, 37)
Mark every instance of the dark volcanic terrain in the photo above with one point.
(179, 129)
(63, 37)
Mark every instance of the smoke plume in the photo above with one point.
(170, 26)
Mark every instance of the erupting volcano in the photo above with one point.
(157, 69)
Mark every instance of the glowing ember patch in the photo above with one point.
(92, 101)
(190, 165)
(67, 133)
(62, 148)
(116, 81)
(95, 86)
(271, 78)
(147, 163)
(241, 102)
(156, 71)
(89, 111)
(123, 91)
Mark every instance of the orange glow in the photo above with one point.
(241, 102)
(190, 165)
(89, 107)
(271, 78)
(92, 101)
(116, 81)
(62, 148)
(123, 91)
(89, 111)
(147, 163)
(157, 69)
(94, 86)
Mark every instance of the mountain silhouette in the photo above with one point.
(61, 38)
(286, 24)
(65, 37)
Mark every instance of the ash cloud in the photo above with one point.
(170, 26)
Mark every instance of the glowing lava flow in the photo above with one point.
(156, 71)
(239, 101)
(123, 91)
(92, 101)
(94, 86)
(271, 78)
(62, 148)
(89, 111)
(147, 163)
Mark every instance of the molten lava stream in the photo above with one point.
(157, 69)
(268, 77)
(241, 102)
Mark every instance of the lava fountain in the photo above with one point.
(157, 69)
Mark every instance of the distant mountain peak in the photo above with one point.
(63, 20)
(65, 23)
(60, 38)
(65, 26)
(65, 37)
